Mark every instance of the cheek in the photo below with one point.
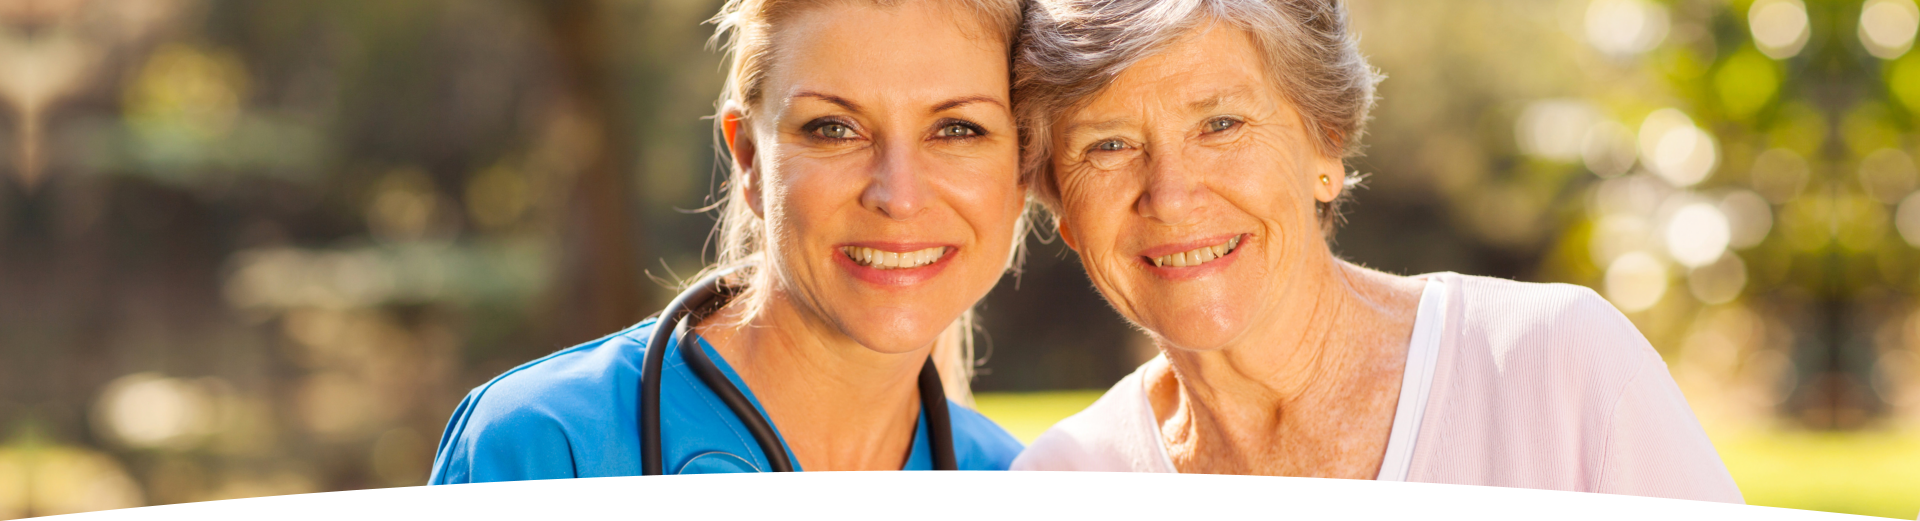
(1093, 200)
(987, 193)
(1097, 206)
(1266, 182)
(802, 196)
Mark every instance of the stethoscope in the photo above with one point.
(704, 297)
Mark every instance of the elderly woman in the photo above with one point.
(875, 196)
(1192, 153)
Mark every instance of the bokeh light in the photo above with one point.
(147, 410)
(67, 480)
(1747, 83)
(1888, 174)
(1749, 218)
(1697, 234)
(1779, 27)
(1718, 282)
(1625, 27)
(1675, 149)
(1555, 129)
(1907, 219)
(1636, 281)
(1608, 149)
(1887, 27)
(1619, 234)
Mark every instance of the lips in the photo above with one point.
(1196, 256)
(888, 260)
(896, 265)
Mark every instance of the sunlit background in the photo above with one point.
(258, 248)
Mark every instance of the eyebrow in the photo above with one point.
(1219, 98)
(829, 98)
(962, 101)
(855, 107)
(1201, 105)
(1075, 130)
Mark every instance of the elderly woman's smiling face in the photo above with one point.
(1188, 188)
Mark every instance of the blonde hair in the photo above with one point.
(744, 31)
(1071, 50)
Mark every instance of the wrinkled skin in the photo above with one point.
(1280, 358)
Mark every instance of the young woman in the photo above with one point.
(874, 198)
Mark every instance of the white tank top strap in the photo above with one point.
(1416, 380)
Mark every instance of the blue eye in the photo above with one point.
(1110, 145)
(835, 131)
(1220, 124)
(957, 130)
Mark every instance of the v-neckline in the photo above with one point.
(916, 453)
(1416, 380)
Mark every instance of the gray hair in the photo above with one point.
(1071, 50)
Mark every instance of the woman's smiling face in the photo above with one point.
(883, 159)
(1188, 188)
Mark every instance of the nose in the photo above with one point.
(897, 189)
(1173, 190)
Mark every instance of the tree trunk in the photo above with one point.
(597, 287)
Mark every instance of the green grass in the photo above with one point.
(1026, 415)
(1875, 473)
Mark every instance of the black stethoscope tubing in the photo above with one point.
(673, 326)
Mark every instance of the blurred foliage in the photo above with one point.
(252, 248)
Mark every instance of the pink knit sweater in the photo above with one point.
(1525, 385)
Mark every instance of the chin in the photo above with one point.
(898, 334)
(1189, 328)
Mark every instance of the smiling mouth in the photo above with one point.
(887, 260)
(1197, 256)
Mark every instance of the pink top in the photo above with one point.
(1510, 384)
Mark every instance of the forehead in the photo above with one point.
(912, 51)
(1212, 66)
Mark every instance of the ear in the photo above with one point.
(1066, 234)
(1335, 173)
(1334, 170)
(740, 149)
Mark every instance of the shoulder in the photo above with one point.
(572, 381)
(979, 443)
(528, 417)
(1559, 328)
(1531, 305)
(1530, 384)
(1109, 436)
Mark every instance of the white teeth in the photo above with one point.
(889, 260)
(1198, 256)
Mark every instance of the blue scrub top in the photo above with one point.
(575, 414)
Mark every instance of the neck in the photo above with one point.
(1303, 393)
(837, 404)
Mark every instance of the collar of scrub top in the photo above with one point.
(743, 408)
(706, 296)
(926, 452)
